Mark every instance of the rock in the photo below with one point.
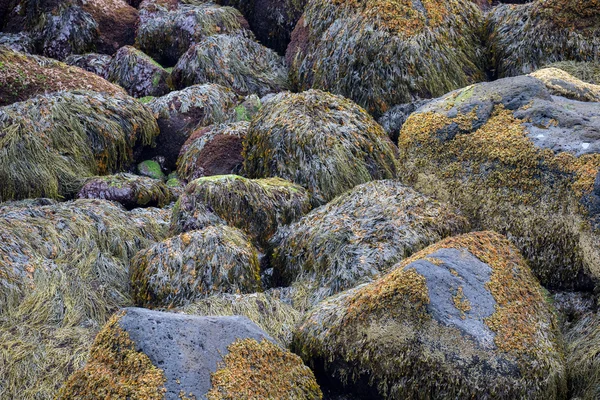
(520, 161)
(586, 71)
(151, 169)
(464, 318)
(175, 356)
(92, 62)
(357, 236)
(320, 141)
(23, 76)
(131, 191)
(381, 53)
(556, 30)
(394, 118)
(182, 112)
(117, 23)
(20, 42)
(51, 143)
(257, 207)
(168, 28)
(583, 363)
(63, 272)
(561, 83)
(247, 109)
(195, 265)
(176, 187)
(234, 61)
(140, 75)
(215, 150)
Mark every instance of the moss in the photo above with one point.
(262, 370)
(115, 370)
(151, 169)
(146, 99)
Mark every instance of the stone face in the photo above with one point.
(384, 53)
(466, 310)
(358, 236)
(516, 159)
(322, 142)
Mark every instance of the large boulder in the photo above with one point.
(92, 62)
(215, 150)
(63, 272)
(21, 42)
(182, 112)
(585, 71)
(234, 61)
(194, 265)
(140, 75)
(50, 143)
(117, 23)
(23, 76)
(520, 161)
(555, 30)
(320, 141)
(142, 354)
(380, 53)
(129, 190)
(358, 236)
(464, 318)
(583, 357)
(258, 207)
(168, 28)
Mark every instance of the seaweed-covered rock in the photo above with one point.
(143, 354)
(91, 62)
(561, 83)
(131, 191)
(583, 358)
(395, 117)
(23, 76)
(20, 42)
(168, 28)
(257, 207)
(380, 53)
(140, 75)
(585, 71)
(182, 112)
(519, 161)
(463, 318)
(117, 23)
(320, 141)
(151, 169)
(359, 235)
(63, 272)
(50, 143)
(215, 150)
(234, 61)
(555, 30)
(194, 265)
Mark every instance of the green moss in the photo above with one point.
(146, 99)
(151, 169)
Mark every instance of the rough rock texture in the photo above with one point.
(215, 150)
(129, 190)
(526, 37)
(561, 83)
(194, 265)
(258, 207)
(63, 272)
(464, 318)
(394, 118)
(519, 161)
(320, 141)
(23, 76)
(198, 357)
(50, 143)
(20, 42)
(234, 61)
(586, 71)
(117, 23)
(181, 112)
(91, 62)
(380, 53)
(168, 29)
(359, 235)
(583, 358)
(140, 75)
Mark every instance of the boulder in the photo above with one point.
(63, 272)
(358, 236)
(257, 207)
(215, 150)
(561, 83)
(463, 318)
(556, 30)
(51, 143)
(129, 190)
(117, 23)
(23, 76)
(234, 61)
(168, 28)
(140, 75)
(142, 354)
(194, 265)
(151, 169)
(586, 71)
(320, 141)
(20, 42)
(182, 112)
(520, 161)
(395, 117)
(381, 53)
(92, 62)
(583, 357)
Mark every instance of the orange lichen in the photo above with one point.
(461, 302)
